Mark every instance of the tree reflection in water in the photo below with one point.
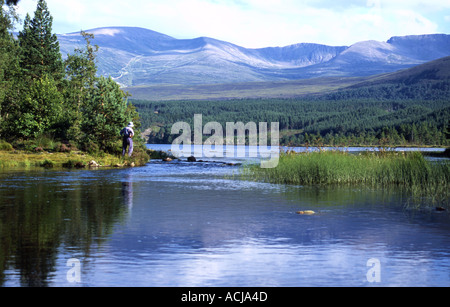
(40, 213)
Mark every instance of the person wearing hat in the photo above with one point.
(127, 133)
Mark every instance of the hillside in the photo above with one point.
(431, 78)
(429, 81)
(136, 56)
(430, 72)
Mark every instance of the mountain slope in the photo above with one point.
(429, 81)
(136, 56)
(426, 81)
(430, 72)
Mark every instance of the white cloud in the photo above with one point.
(256, 23)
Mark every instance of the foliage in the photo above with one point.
(80, 79)
(5, 146)
(8, 64)
(104, 115)
(40, 110)
(39, 52)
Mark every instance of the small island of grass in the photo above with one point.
(427, 181)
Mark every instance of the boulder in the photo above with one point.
(80, 165)
(307, 212)
(93, 164)
(192, 159)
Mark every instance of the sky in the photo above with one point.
(256, 23)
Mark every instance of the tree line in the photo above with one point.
(341, 122)
(42, 95)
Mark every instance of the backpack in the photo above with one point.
(126, 133)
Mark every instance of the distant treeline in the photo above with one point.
(349, 120)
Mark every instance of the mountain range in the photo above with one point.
(136, 56)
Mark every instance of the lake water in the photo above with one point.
(195, 224)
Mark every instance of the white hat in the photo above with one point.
(130, 124)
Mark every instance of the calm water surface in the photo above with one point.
(192, 224)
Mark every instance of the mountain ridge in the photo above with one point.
(136, 56)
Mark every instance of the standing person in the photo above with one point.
(127, 134)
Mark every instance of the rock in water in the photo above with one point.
(307, 212)
(93, 164)
(191, 159)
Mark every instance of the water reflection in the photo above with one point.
(127, 190)
(41, 211)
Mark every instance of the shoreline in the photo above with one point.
(17, 159)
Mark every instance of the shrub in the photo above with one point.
(63, 148)
(47, 163)
(5, 146)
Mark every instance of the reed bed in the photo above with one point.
(410, 171)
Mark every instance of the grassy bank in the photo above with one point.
(427, 181)
(21, 159)
(11, 157)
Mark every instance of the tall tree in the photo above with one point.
(81, 77)
(80, 66)
(6, 44)
(9, 66)
(40, 52)
(104, 115)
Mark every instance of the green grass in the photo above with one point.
(45, 152)
(425, 180)
(24, 159)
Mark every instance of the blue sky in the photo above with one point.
(257, 23)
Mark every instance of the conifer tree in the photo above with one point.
(40, 52)
(9, 68)
(6, 42)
